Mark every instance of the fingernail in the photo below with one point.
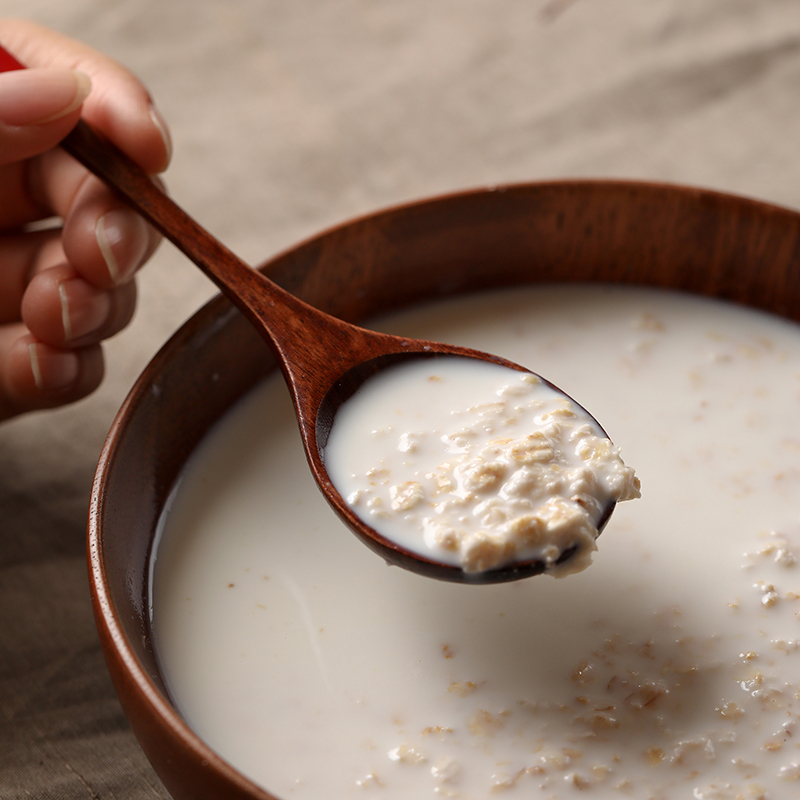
(84, 310)
(122, 238)
(39, 96)
(163, 130)
(53, 370)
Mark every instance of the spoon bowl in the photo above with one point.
(324, 359)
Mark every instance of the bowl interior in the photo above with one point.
(646, 234)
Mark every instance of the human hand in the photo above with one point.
(65, 287)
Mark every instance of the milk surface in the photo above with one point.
(668, 669)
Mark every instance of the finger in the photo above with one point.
(35, 376)
(120, 240)
(119, 106)
(62, 310)
(38, 108)
(104, 240)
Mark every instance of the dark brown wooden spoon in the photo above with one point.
(323, 359)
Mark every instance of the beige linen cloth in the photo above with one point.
(291, 115)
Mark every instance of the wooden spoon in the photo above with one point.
(323, 359)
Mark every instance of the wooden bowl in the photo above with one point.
(621, 232)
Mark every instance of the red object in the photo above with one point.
(8, 62)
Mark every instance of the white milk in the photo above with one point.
(669, 669)
(476, 465)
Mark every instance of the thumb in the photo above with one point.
(38, 107)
